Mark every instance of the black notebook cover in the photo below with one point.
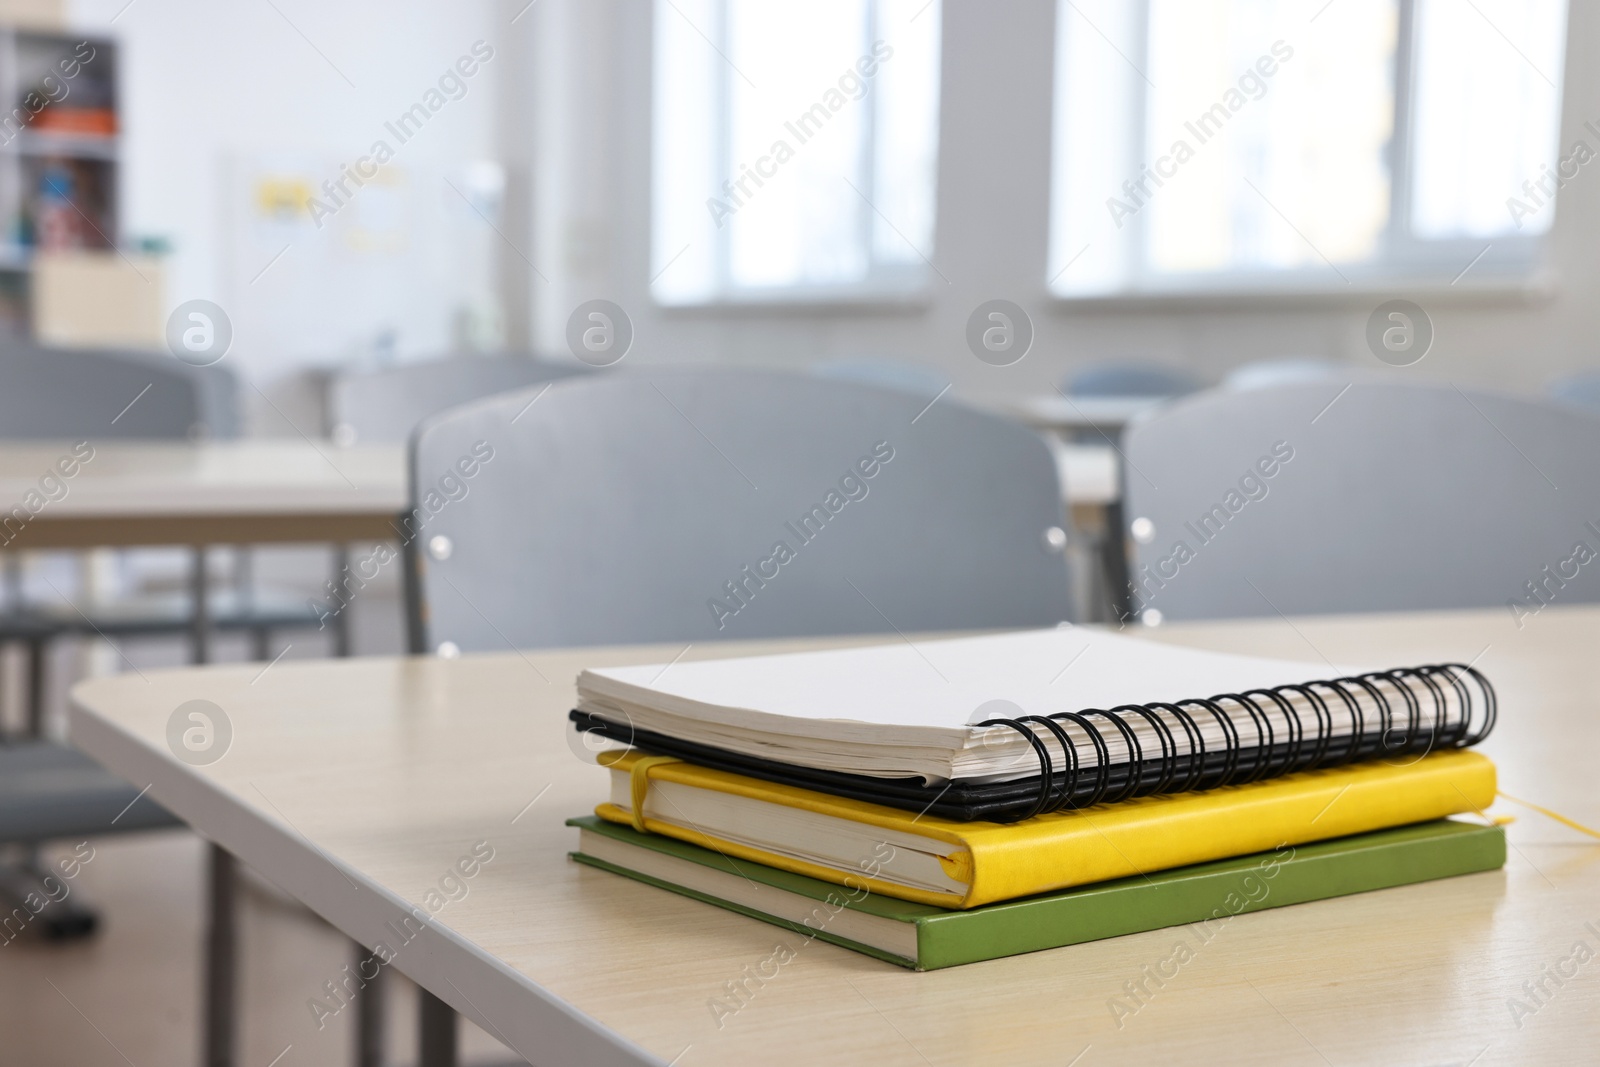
(1019, 798)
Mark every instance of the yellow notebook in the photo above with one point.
(965, 864)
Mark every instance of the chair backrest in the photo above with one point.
(99, 395)
(385, 406)
(1328, 497)
(1581, 390)
(707, 504)
(1129, 379)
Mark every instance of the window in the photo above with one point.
(1215, 145)
(794, 148)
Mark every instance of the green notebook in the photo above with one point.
(926, 938)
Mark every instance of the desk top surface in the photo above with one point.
(1060, 412)
(225, 478)
(217, 478)
(357, 786)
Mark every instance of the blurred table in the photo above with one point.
(1085, 432)
(243, 492)
(229, 492)
(357, 785)
(265, 491)
(1090, 476)
(1091, 484)
(1103, 414)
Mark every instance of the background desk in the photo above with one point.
(238, 492)
(356, 785)
(212, 493)
(1106, 415)
(262, 491)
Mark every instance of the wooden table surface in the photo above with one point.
(1090, 475)
(258, 491)
(261, 491)
(358, 785)
(1108, 414)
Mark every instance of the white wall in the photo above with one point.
(216, 93)
(590, 140)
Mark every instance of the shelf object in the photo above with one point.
(60, 174)
(93, 298)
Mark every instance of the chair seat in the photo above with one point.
(50, 791)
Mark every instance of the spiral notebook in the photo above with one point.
(1007, 726)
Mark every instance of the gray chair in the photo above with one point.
(1304, 499)
(1580, 390)
(49, 792)
(1129, 379)
(76, 394)
(385, 406)
(650, 507)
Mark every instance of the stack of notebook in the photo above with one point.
(951, 801)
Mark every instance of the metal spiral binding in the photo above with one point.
(1252, 749)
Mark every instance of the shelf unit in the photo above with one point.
(59, 152)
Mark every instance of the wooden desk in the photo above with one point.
(244, 492)
(1090, 475)
(357, 785)
(1062, 414)
(276, 491)
(212, 493)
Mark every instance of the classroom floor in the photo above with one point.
(131, 993)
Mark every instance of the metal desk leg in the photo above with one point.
(341, 621)
(369, 1012)
(200, 623)
(219, 996)
(35, 683)
(221, 877)
(1114, 565)
(436, 1032)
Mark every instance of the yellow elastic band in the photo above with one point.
(640, 776)
(1562, 819)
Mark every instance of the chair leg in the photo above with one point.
(33, 680)
(370, 1013)
(221, 933)
(67, 918)
(260, 643)
(1114, 565)
(437, 1032)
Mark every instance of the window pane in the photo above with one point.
(908, 131)
(684, 161)
(806, 225)
(1214, 143)
(1098, 93)
(794, 144)
(1219, 136)
(1488, 112)
(1274, 130)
